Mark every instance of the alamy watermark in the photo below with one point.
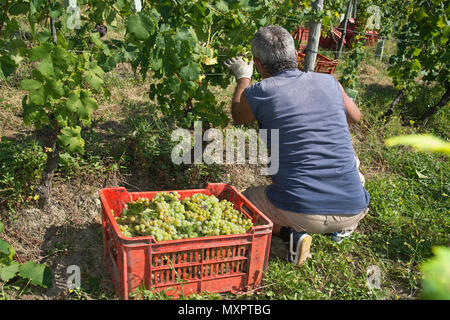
(373, 277)
(374, 21)
(74, 279)
(74, 13)
(236, 141)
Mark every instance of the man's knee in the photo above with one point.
(255, 194)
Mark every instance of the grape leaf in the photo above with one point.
(10, 271)
(31, 112)
(19, 8)
(441, 23)
(5, 247)
(54, 88)
(56, 10)
(94, 76)
(6, 251)
(88, 105)
(141, 26)
(94, 80)
(190, 72)
(7, 66)
(43, 36)
(222, 6)
(73, 103)
(36, 90)
(41, 52)
(186, 35)
(70, 139)
(60, 58)
(46, 67)
(39, 274)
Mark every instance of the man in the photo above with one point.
(317, 188)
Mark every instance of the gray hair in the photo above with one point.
(274, 47)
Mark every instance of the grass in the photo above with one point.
(129, 144)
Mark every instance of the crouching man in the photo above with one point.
(318, 187)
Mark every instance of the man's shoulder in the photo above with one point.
(264, 86)
(273, 85)
(255, 88)
(324, 76)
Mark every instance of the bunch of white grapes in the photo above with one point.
(165, 217)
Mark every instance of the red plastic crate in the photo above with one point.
(216, 264)
(328, 42)
(301, 36)
(323, 64)
(372, 38)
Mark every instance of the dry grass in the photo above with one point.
(67, 234)
(11, 122)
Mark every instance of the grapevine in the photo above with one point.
(422, 36)
(166, 217)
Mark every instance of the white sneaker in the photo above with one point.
(299, 247)
(340, 236)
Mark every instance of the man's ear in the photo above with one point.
(258, 64)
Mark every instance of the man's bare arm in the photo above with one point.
(240, 109)
(353, 113)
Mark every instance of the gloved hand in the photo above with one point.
(239, 68)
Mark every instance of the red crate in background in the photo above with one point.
(372, 38)
(334, 37)
(216, 264)
(301, 36)
(323, 64)
(329, 42)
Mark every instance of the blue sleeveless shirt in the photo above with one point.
(317, 169)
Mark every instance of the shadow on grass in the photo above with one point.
(378, 94)
(80, 246)
(379, 97)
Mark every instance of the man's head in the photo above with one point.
(273, 48)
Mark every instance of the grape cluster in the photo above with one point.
(165, 217)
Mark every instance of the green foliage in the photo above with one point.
(59, 91)
(352, 64)
(21, 166)
(70, 139)
(149, 140)
(436, 275)
(185, 43)
(422, 37)
(182, 43)
(59, 94)
(349, 75)
(35, 273)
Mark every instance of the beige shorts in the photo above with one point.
(311, 223)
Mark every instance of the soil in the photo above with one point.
(69, 232)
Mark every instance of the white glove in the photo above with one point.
(239, 68)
